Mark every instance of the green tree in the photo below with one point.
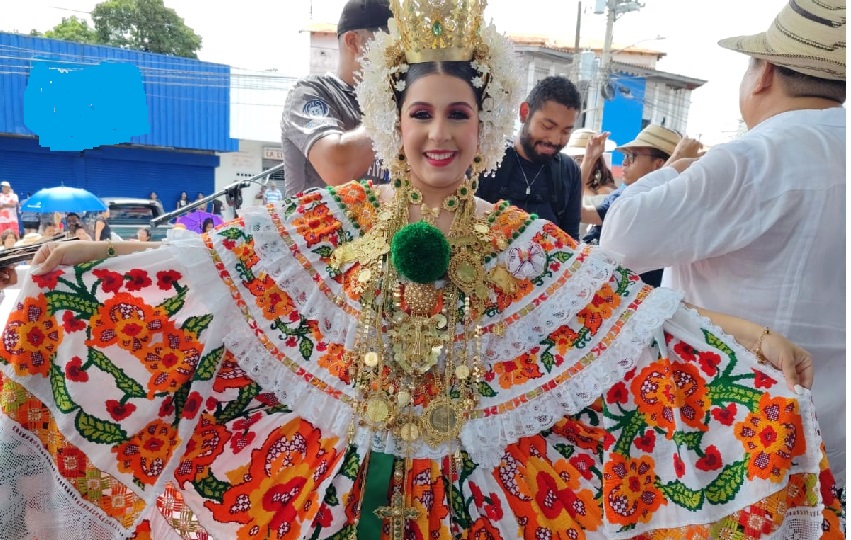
(145, 25)
(72, 29)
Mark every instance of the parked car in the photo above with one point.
(127, 215)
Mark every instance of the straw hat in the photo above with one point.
(579, 140)
(29, 239)
(807, 36)
(654, 136)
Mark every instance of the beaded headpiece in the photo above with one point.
(440, 30)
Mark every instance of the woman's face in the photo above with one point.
(142, 235)
(9, 241)
(183, 195)
(209, 226)
(439, 122)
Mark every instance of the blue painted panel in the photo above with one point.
(188, 100)
(622, 115)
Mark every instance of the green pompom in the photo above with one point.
(420, 252)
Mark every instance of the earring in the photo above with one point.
(477, 166)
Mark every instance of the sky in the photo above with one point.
(267, 34)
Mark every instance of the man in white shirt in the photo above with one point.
(272, 193)
(756, 227)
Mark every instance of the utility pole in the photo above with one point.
(614, 8)
(575, 77)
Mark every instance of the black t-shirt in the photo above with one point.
(106, 232)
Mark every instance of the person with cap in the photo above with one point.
(651, 149)
(321, 137)
(756, 226)
(534, 175)
(8, 208)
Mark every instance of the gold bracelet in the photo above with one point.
(110, 250)
(757, 349)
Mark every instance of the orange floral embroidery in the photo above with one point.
(602, 307)
(518, 371)
(629, 490)
(351, 285)
(146, 453)
(563, 338)
(275, 495)
(121, 503)
(664, 390)
(317, 225)
(270, 298)
(172, 360)
(580, 434)
(246, 254)
(772, 436)
(206, 444)
(429, 497)
(353, 197)
(230, 375)
(335, 361)
(482, 529)
(125, 320)
(31, 337)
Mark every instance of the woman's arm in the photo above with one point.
(99, 225)
(53, 254)
(795, 363)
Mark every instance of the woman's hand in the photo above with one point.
(795, 363)
(596, 147)
(53, 254)
(8, 276)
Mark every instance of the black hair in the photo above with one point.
(601, 176)
(459, 70)
(204, 223)
(801, 85)
(556, 88)
(655, 153)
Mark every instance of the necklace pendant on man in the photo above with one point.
(528, 190)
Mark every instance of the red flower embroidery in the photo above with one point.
(241, 441)
(119, 411)
(111, 282)
(647, 441)
(167, 278)
(679, 466)
(49, 280)
(583, 463)
(494, 509)
(72, 462)
(725, 415)
(268, 399)
(137, 280)
(323, 517)
(618, 393)
(478, 497)
(709, 362)
(71, 323)
(167, 407)
(192, 405)
(74, 370)
(711, 459)
(761, 380)
(685, 351)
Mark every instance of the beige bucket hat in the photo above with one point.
(579, 140)
(654, 136)
(807, 36)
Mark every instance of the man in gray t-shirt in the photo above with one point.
(321, 137)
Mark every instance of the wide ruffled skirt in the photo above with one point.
(130, 408)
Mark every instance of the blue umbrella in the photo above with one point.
(62, 199)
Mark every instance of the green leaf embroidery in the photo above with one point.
(351, 463)
(233, 233)
(331, 496)
(562, 256)
(174, 304)
(467, 466)
(715, 341)
(98, 431)
(179, 401)
(691, 440)
(60, 391)
(722, 392)
(208, 365)
(323, 251)
(548, 360)
(130, 387)
(305, 348)
(58, 300)
(460, 513)
(727, 484)
(630, 431)
(86, 266)
(682, 495)
(565, 450)
(197, 323)
(237, 407)
(485, 390)
(211, 487)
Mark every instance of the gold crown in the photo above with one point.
(438, 30)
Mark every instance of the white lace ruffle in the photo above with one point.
(37, 502)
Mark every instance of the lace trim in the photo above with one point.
(38, 503)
